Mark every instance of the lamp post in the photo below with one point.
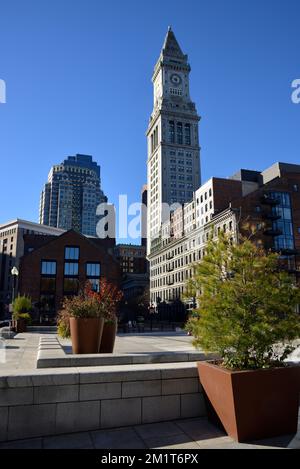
(14, 273)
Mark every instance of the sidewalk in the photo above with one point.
(192, 434)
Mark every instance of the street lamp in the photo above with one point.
(14, 273)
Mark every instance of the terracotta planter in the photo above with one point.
(256, 404)
(19, 325)
(108, 338)
(86, 334)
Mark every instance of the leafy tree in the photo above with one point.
(246, 305)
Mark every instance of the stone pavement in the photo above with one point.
(194, 434)
(147, 342)
(21, 352)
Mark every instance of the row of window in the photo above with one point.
(206, 195)
(179, 133)
(70, 285)
(180, 169)
(181, 177)
(187, 162)
(48, 268)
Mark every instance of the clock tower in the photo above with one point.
(173, 165)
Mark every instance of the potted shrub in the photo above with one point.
(247, 314)
(108, 297)
(84, 316)
(63, 324)
(21, 318)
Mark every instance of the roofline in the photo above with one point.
(129, 246)
(66, 232)
(19, 221)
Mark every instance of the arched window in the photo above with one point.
(187, 134)
(179, 133)
(171, 132)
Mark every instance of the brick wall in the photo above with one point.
(54, 249)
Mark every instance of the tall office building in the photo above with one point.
(70, 197)
(144, 195)
(173, 146)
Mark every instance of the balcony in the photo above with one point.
(268, 200)
(170, 255)
(271, 216)
(288, 252)
(170, 268)
(272, 232)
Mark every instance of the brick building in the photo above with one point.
(132, 258)
(56, 266)
(11, 250)
(273, 209)
(267, 201)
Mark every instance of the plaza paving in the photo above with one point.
(21, 352)
(192, 434)
(196, 433)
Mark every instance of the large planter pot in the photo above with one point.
(108, 338)
(19, 325)
(253, 404)
(86, 334)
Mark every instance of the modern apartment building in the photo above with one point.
(173, 145)
(11, 249)
(72, 194)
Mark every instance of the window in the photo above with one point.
(258, 209)
(187, 134)
(179, 133)
(171, 132)
(47, 303)
(71, 286)
(95, 283)
(71, 268)
(175, 91)
(93, 269)
(71, 253)
(47, 284)
(48, 268)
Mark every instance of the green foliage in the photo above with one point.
(22, 305)
(246, 305)
(63, 325)
(89, 304)
(26, 317)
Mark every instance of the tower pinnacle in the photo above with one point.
(171, 47)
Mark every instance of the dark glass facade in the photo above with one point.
(284, 224)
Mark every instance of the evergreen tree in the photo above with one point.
(246, 305)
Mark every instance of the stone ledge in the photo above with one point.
(50, 402)
(52, 355)
(99, 374)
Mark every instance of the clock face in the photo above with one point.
(175, 79)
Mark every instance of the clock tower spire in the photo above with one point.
(173, 146)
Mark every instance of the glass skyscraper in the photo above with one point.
(71, 195)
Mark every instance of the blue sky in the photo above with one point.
(78, 77)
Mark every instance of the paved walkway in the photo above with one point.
(21, 352)
(191, 434)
